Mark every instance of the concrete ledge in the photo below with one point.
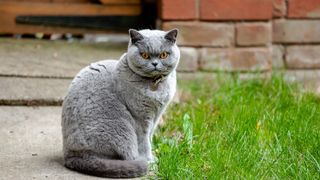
(32, 91)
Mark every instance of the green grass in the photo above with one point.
(254, 129)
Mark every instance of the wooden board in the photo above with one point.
(24, 8)
(10, 10)
(70, 1)
(25, 1)
(125, 2)
(49, 1)
(120, 1)
(119, 23)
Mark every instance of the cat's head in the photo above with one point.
(152, 52)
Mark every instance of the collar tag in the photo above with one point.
(155, 83)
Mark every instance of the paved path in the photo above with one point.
(31, 146)
(34, 72)
(38, 72)
(42, 58)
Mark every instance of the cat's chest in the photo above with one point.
(150, 94)
(145, 101)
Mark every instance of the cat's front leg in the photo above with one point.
(145, 148)
(150, 157)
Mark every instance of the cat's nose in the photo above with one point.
(154, 64)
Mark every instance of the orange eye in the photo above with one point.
(145, 55)
(163, 55)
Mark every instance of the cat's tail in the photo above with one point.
(107, 168)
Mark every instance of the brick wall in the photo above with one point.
(247, 35)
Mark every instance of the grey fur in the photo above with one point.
(112, 107)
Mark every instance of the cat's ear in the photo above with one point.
(172, 35)
(135, 36)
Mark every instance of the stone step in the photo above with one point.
(51, 91)
(32, 91)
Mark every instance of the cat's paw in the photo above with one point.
(152, 159)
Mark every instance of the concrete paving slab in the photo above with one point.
(42, 58)
(31, 144)
(32, 91)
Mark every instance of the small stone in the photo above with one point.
(56, 36)
(114, 38)
(39, 35)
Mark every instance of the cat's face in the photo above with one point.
(152, 53)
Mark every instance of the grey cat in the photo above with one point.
(113, 107)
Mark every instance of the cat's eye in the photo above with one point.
(145, 55)
(163, 55)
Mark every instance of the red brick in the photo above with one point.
(296, 31)
(188, 59)
(304, 9)
(235, 9)
(177, 9)
(279, 8)
(302, 57)
(249, 34)
(203, 33)
(241, 59)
